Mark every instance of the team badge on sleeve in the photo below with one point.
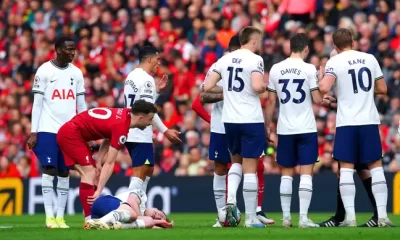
(122, 140)
(260, 66)
(36, 82)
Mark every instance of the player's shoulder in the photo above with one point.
(74, 68)
(45, 67)
(139, 75)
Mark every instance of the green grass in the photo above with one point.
(190, 226)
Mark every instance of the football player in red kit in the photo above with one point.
(110, 124)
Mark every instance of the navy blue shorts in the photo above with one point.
(48, 152)
(297, 149)
(246, 139)
(141, 153)
(357, 144)
(218, 150)
(103, 205)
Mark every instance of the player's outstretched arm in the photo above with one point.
(197, 106)
(171, 134)
(106, 172)
(211, 97)
(380, 87)
(270, 108)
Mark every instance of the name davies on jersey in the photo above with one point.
(63, 94)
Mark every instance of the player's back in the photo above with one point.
(139, 85)
(241, 103)
(99, 123)
(293, 80)
(60, 87)
(355, 73)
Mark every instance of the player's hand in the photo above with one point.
(327, 100)
(268, 135)
(32, 140)
(173, 136)
(164, 223)
(91, 199)
(163, 83)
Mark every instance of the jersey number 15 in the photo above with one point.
(236, 78)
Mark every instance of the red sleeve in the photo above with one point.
(120, 132)
(199, 109)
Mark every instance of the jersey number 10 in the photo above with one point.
(352, 72)
(236, 78)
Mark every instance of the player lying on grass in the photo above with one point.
(126, 211)
(110, 124)
(218, 150)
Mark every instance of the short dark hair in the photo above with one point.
(246, 33)
(299, 42)
(342, 38)
(143, 107)
(234, 43)
(147, 51)
(60, 41)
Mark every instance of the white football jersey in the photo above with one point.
(139, 85)
(355, 73)
(60, 87)
(139, 193)
(241, 103)
(293, 80)
(217, 126)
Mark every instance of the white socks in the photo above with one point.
(305, 193)
(219, 186)
(348, 192)
(250, 191)
(119, 215)
(234, 178)
(139, 223)
(144, 185)
(62, 195)
(286, 195)
(136, 183)
(380, 191)
(47, 192)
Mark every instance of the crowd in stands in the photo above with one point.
(190, 35)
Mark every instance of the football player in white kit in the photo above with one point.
(295, 83)
(59, 94)
(359, 77)
(242, 74)
(141, 85)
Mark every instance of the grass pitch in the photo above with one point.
(191, 226)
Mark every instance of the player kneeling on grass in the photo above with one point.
(126, 211)
(110, 124)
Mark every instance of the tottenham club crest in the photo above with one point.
(122, 140)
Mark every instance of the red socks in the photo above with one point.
(85, 191)
(260, 177)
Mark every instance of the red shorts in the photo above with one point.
(75, 150)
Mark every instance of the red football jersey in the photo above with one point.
(99, 123)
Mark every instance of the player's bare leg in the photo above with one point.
(234, 179)
(305, 194)
(87, 187)
(260, 179)
(250, 191)
(219, 186)
(348, 193)
(380, 191)
(286, 195)
(62, 196)
(49, 172)
(141, 177)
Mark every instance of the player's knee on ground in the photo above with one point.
(307, 169)
(364, 174)
(64, 173)
(50, 170)
(221, 168)
(126, 207)
(287, 171)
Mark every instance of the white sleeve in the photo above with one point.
(40, 81)
(377, 68)
(159, 124)
(330, 69)
(271, 85)
(80, 99)
(147, 91)
(36, 111)
(258, 65)
(81, 85)
(313, 78)
(218, 67)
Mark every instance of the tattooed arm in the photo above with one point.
(206, 97)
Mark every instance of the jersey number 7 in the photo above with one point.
(299, 89)
(237, 78)
(131, 100)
